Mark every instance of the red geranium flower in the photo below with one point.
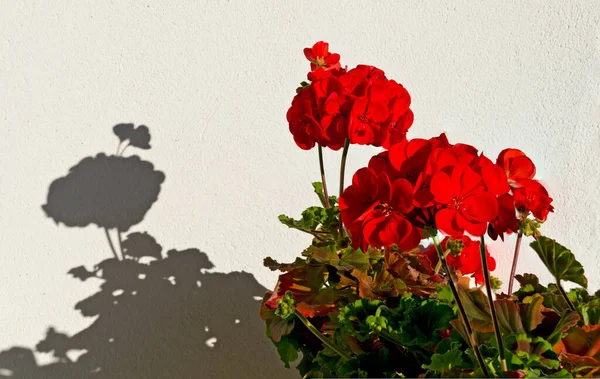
(303, 122)
(365, 121)
(531, 196)
(516, 165)
(467, 260)
(320, 57)
(506, 221)
(465, 205)
(373, 209)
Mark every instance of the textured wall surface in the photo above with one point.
(213, 81)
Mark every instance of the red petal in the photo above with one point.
(365, 180)
(402, 196)
(480, 207)
(521, 168)
(445, 221)
(442, 188)
(332, 59)
(411, 239)
(470, 181)
(495, 179)
(506, 156)
(384, 188)
(377, 112)
(308, 53)
(475, 228)
(320, 49)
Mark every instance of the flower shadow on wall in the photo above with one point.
(157, 315)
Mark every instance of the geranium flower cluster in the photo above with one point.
(416, 186)
(360, 105)
(422, 184)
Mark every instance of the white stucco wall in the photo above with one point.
(213, 81)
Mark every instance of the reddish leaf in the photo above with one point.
(414, 269)
(476, 306)
(583, 340)
(508, 316)
(306, 285)
(583, 367)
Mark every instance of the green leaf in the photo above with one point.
(567, 321)
(287, 351)
(590, 312)
(554, 300)
(559, 260)
(532, 311)
(530, 284)
(318, 187)
(445, 362)
(351, 259)
(424, 322)
(278, 328)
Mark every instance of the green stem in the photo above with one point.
(342, 174)
(513, 270)
(320, 336)
(343, 165)
(461, 309)
(322, 167)
(488, 288)
(564, 295)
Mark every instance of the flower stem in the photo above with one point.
(112, 247)
(343, 165)
(342, 173)
(488, 288)
(322, 167)
(513, 270)
(461, 309)
(320, 336)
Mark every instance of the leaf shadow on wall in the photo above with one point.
(157, 315)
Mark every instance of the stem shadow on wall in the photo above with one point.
(158, 314)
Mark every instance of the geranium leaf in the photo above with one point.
(583, 341)
(580, 366)
(531, 311)
(590, 312)
(287, 351)
(530, 284)
(273, 265)
(476, 307)
(566, 322)
(508, 316)
(306, 285)
(559, 260)
(414, 269)
(351, 258)
(556, 302)
(445, 362)
(424, 323)
(318, 187)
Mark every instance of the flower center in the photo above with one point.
(385, 209)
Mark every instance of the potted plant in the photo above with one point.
(396, 282)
